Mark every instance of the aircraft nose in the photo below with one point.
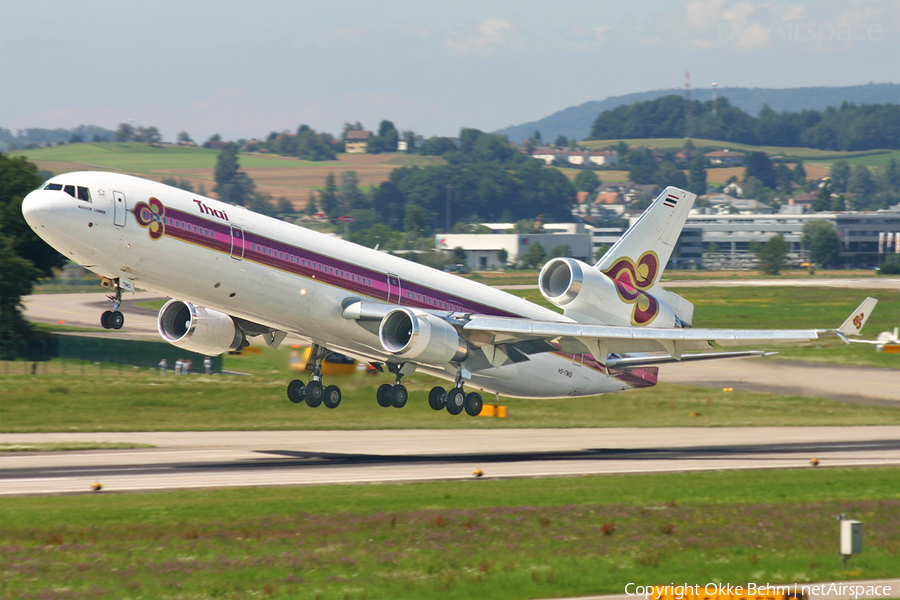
(36, 208)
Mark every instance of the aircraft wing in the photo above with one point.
(525, 336)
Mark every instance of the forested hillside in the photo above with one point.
(849, 127)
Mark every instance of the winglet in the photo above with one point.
(857, 319)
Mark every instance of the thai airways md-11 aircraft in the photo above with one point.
(234, 274)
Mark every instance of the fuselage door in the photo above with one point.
(119, 209)
(237, 243)
(393, 284)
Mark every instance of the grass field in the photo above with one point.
(866, 157)
(474, 539)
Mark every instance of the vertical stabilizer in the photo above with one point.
(647, 245)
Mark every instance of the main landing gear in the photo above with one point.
(394, 395)
(456, 400)
(315, 393)
(113, 319)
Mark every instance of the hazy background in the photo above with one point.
(243, 69)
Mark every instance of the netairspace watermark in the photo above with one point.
(804, 32)
(690, 592)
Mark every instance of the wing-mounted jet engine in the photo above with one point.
(209, 331)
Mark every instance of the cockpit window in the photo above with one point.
(84, 194)
(53, 186)
(70, 190)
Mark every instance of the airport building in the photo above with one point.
(483, 250)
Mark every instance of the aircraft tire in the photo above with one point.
(116, 320)
(332, 396)
(382, 395)
(399, 396)
(296, 391)
(456, 401)
(437, 398)
(315, 392)
(473, 404)
(105, 319)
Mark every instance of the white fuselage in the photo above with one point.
(285, 277)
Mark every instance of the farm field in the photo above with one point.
(523, 538)
(280, 176)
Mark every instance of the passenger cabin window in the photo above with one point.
(84, 194)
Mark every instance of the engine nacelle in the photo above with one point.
(198, 329)
(420, 336)
(589, 296)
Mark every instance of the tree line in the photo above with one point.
(849, 127)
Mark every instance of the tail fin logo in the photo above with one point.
(858, 319)
(632, 280)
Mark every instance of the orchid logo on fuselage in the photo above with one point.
(632, 281)
(152, 217)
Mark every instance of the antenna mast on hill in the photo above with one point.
(687, 104)
(715, 98)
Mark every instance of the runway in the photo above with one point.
(193, 460)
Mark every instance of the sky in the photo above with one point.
(243, 69)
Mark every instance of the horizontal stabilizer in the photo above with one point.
(643, 361)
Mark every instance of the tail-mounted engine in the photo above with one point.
(198, 329)
(589, 296)
(421, 336)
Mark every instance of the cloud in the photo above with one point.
(488, 37)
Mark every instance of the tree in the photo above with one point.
(641, 166)
(563, 250)
(125, 133)
(892, 174)
(840, 175)
(891, 265)
(535, 255)
(502, 257)
(351, 195)
(861, 181)
(23, 255)
(328, 200)
(586, 181)
(758, 165)
(773, 255)
(285, 207)
(232, 184)
(697, 175)
(416, 221)
(823, 243)
(561, 141)
(184, 138)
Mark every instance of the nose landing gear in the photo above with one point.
(113, 319)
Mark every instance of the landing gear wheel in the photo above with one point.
(296, 391)
(383, 395)
(116, 320)
(332, 396)
(315, 393)
(398, 396)
(437, 398)
(456, 401)
(105, 319)
(473, 404)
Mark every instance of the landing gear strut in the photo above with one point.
(113, 319)
(395, 395)
(315, 393)
(456, 400)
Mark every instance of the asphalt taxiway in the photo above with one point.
(191, 460)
